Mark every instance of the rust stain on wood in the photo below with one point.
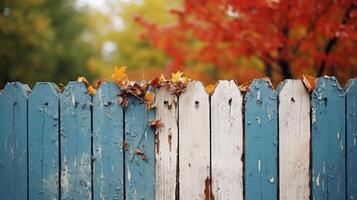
(208, 189)
(157, 142)
(169, 138)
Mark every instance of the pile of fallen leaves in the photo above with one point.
(142, 90)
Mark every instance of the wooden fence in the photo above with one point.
(258, 145)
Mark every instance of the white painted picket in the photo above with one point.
(227, 141)
(194, 141)
(294, 140)
(166, 144)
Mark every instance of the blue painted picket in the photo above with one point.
(108, 163)
(43, 141)
(328, 140)
(140, 152)
(351, 130)
(13, 137)
(75, 142)
(261, 127)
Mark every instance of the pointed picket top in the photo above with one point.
(224, 87)
(351, 86)
(291, 84)
(326, 84)
(45, 90)
(76, 91)
(258, 85)
(194, 89)
(17, 88)
(106, 92)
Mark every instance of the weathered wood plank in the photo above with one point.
(13, 137)
(328, 140)
(140, 153)
(351, 130)
(294, 140)
(43, 138)
(75, 142)
(261, 130)
(227, 141)
(166, 145)
(108, 131)
(194, 143)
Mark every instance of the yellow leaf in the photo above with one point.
(309, 82)
(119, 74)
(210, 88)
(176, 77)
(162, 78)
(91, 90)
(149, 98)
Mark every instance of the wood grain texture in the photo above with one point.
(166, 145)
(261, 130)
(43, 138)
(13, 137)
(140, 154)
(351, 130)
(294, 140)
(328, 140)
(75, 142)
(227, 141)
(194, 143)
(108, 171)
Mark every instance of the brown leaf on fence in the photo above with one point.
(91, 90)
(309, 82)
(156, 122)
(210, 88)
(244, 87)
(139, 152)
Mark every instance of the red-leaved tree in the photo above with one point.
(288, 37)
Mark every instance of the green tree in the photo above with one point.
(42, 40)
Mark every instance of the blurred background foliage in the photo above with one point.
(60, 40)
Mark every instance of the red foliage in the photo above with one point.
(289, 36)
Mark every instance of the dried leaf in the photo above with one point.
(156, 122)
(309, 82)
(210, 88)
(176, 77)
(244, 87)
(149, 98)
(139, 152)
(119, 74)
(162, 78)
(91, 90)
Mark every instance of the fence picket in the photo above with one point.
(140, 153)
(13, 134)
(328, 140)
(261, 141)
(166, 145)
(351, 130)
(227, 141)
(43, 128)
(194, 143)
(75, 142)
(294, 140)
(108, 171)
